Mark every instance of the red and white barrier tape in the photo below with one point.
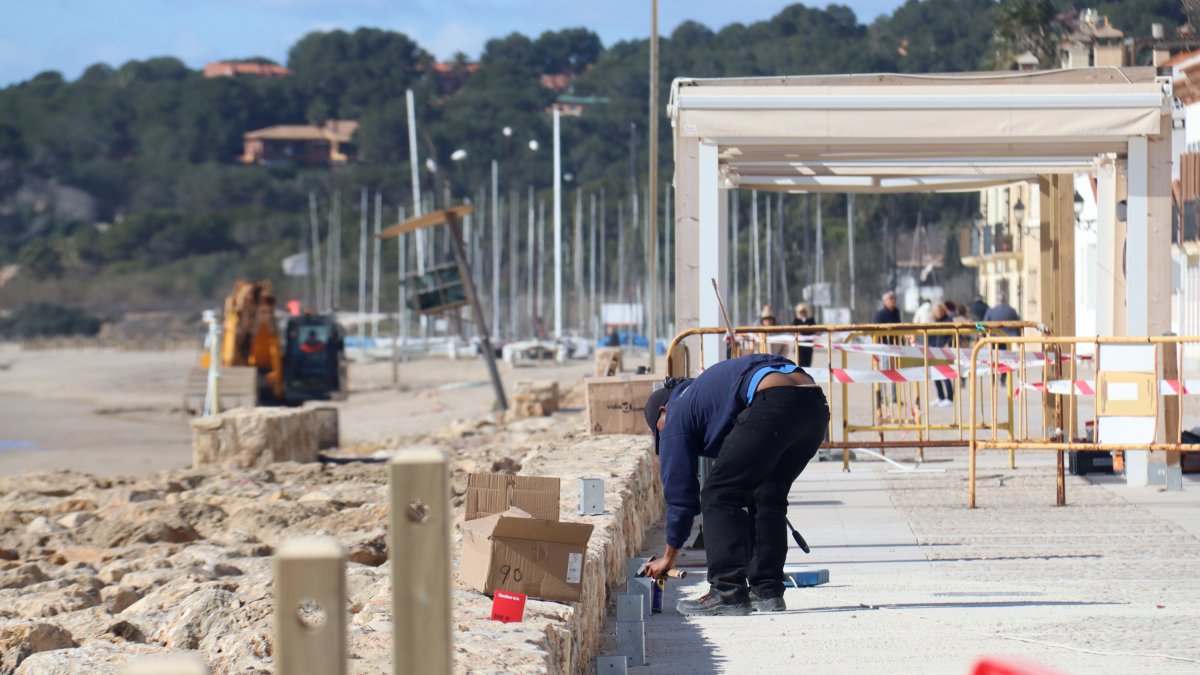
(894, 375)
(1088, 387)
(1032, 359)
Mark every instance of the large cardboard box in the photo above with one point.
(513, 552)
(491, 493)
(615, 404)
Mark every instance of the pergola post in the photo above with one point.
(1106, 245)
(687, 242)
(714, 249)
(1148, 249)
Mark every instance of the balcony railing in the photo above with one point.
(990, 240)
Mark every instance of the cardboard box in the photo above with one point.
(491, 493)
(510, 551)
(615, 404)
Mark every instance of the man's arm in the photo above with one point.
(679, 466)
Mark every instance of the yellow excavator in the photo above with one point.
(248, 336)
(257, 366)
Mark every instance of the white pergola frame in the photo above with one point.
(902, 133)
(914, 133)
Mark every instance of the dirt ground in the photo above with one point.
(114, 413)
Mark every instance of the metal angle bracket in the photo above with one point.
(591, 496)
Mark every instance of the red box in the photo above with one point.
(508, 607)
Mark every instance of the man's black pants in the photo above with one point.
(770, 444)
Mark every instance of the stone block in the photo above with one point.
(534, 398)
(609, 361)
(245, 438)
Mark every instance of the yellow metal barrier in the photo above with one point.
(886, 416)
(1060, 418)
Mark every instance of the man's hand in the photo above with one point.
(659, 567)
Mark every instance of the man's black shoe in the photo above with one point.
(758, 604)
(711, 604)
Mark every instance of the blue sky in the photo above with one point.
(69, 35)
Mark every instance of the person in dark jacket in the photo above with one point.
(804, 318)
(762, 419)
(978, 308)
(888, 312)
(1002, 311)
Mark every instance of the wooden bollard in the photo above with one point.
(170, 664)
(419, 545)
(310, 570)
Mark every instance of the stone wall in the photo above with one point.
(94, 571)
(633, 501)
(247, 438)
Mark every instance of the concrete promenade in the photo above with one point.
(921, 584)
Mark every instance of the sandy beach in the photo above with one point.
(113, 413)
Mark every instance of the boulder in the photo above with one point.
(22, 576)
(113, 533)
(200, 620)
(19, 642)
(246, 438)
(94, 657)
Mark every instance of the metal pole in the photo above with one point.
(621, 262)
(489, 355)
(306, 298)
(668, 228)
(558, 298)
(577, 259)
(734, 253)
(362, 266)
(767, 250)
(375, 266)
(754, 248)
(315, 232)
(850, 207)
(514, 260)
(592, 313)
(820, 252)
(603, 254)
(652, 205)
(212, 397)
(416, 194)
(531, 243)
(495, 249)
(401, 305)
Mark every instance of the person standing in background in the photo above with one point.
(1002, 311)
(945, 388)
(888, 312)
(978, 308)
(804, 318)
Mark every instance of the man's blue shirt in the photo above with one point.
(700, 415)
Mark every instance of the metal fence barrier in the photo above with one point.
(1128, 393)
(903, 366)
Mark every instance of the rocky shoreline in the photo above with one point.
(96, 570)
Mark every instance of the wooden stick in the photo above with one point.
(419, 545)
(310, 569)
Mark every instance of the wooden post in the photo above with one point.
(1057, 290)
(419, 544)
(489, 356)
(1171, 411)
(310, 570)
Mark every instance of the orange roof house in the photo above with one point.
(301, 144)
(228, 69)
